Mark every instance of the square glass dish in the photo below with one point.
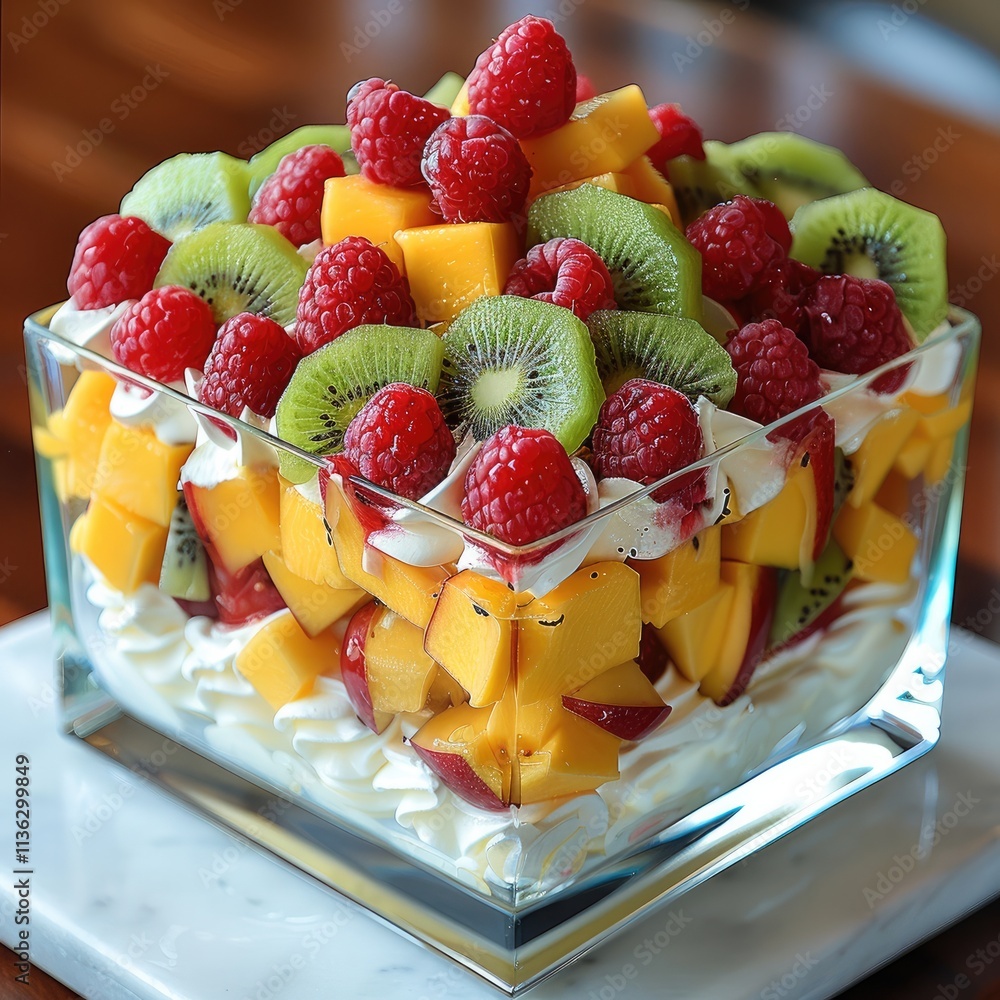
(506, 752)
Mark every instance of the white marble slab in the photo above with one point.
(134, 896)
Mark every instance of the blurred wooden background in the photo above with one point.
(95, 92)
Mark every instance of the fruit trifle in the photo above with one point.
(507, 471)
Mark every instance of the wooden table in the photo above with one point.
(95, 92)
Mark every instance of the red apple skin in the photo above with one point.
(456, 773)
(627, 722)
(652, 659)
(242, 596)
(353, 670)
(765, 598)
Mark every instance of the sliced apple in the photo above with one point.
(316, 606)
(455, 746)
(354, 668)
(445, 692)
(470, 632)
(400, 673)
(589, 623)
(307, 538)
(621, 700)
(755, 591)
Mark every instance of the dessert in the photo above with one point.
(505, 475)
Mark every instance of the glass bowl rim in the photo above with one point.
(962, 324)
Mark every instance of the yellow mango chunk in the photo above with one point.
(239, 516)
(307, 539)
(126, 549)
(400, 673)
(589, 623)
(604, 134)
(315, 605)
(139, 472)
(874, 458)
(449, 266)
(460, 106)
(84, 419)
(694, 639)
(681, 580)
(282, 662)
(650, 186)
(939, 461)
(938, 421)
(356, 206)
(470, 634)
(881, 545)
(410, 591)
(619, 183)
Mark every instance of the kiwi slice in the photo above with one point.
(843, 480)
(264, 163)
(511, 360)
(445, 90)
(330, 385)
(791, 170)
(653, 266)
(700, 184)
(798, 605)
(184, 572)
(873, 235)
(238, 267)
(671, 350)
(189, 191)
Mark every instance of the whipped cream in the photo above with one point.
(170, 419)
(89, 328)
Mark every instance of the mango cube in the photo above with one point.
(874, 458)
(400, 673)
(612, 181)
(680, 580)
(238, 516)
(139, 472)
(650, 186)
(449, 266)
(356, 206)
(282, 662)
(881, 545)
(604, 134)
(307, 539)
(694, 639)
(315, 605)
(83, 421)
(470, 634)
(126, 549)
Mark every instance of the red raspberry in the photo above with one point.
(389, 129)
(476, 170)
(646, 431)
(348, 284)
(855, 325)
(522, 487)
(679, 135)
(399, 440)
(775, 223)
(250, 364)
(774, 371)
(167, 330)
(585, 90)
(116, 259)
(526, 80)
(778, 294)
(564, 271)
(735, 247)
(291, 198)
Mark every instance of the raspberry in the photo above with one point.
(350, 283)
(167, 330)
(564, 271)
(585, 90)
(735, 247)
(646, 431)
(291, 198)
(775, 223)
(855, 325)
(522, 487)
(389, 129)
(399, 440)
(116, 259)
(526, 81)
(249, 365)
(774, 371)
(679, 135)
(476, 170)
(778, 294)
